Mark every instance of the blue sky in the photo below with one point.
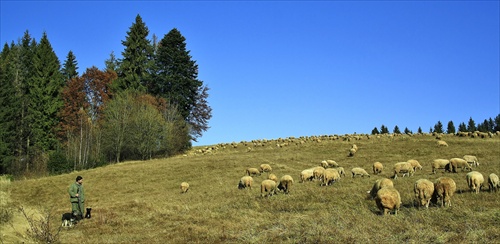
(301, 68)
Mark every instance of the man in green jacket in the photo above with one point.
(77, 198)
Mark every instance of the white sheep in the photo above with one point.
(318, 173)
(359, 171)
(472, 160)
(444, 188)
(493, 182)
(439, 164)
(379, 184)
(245, 181)
(267, 188)
(442, 143)
(475, 181)
(184, 187)
(377, 168)
(285, 183)
(459, 163)
(306, 174)
(388, 199)
(341, 171)
(252, 171)
(272, 177)
(332, 163)
(330, 176)
(415, 164)
(424, 189)
(265, 168)
(403, 167)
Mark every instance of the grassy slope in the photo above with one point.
(141, 201)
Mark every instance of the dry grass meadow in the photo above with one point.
(140, 202)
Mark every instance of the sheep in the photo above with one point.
(377, 168)
(444, 188)
(184, 187)
(332, 163)
(341, 171)
(324, 164)
(403, 167)
(272, 177)
(354, 147)
(285, 183)
(379, 184)
(388, 199)
(439, 164)
(442, 143)
(253, 171)
(330, 176)
(265, 168)
(352, 151)
(459, 163)
(318, 173)
(306, 174)
(415, 164)
(493, 182)
(267, 188)
(245, 181)
(475, 181)
(359, 171)
(472, 160)
(424, 189)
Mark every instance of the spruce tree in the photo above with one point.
(177, 82)
(407, 131)
(451, 128)
(471, 126)
(496, 126)
(134, 71)
(462, 127)
(70, 68)
(396, 130)
(375, 131)
(44, 95)
(438, 127)
(419, 131)
(112, 62)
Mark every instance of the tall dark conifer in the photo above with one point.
(70, 67)
(44, 95)
(134, 70)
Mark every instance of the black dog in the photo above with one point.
(87, 215)
(68, 220)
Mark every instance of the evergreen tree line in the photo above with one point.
(488, 125)
(150, 103)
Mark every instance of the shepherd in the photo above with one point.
(77, 198)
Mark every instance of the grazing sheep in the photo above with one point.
(267, 188)
(184, 187)
(475, 181)
(253, 171)
(354, 147)
(459, 163)
(403, 167)
(352, 151)
(359, 171)
(330, 176)
(388, 199)
(439, 164)
(415, 164)
(379, 184)
(377, 168)
(441, 143)
(424, 189)
(318, 173)
(444, 188)
(285, 183)
(341, 171)
(272, 177)
(265, 168)
(332, 163)
(493, 182)
(245, 181)
(306, 174)
(472, 160)
(324, 164)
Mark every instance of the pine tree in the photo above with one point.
(407, 131)
(177, 82)
(70, 68)
(396, 130)
(419, 131)
(451, 128)
(496, 127)
(134, 71)
(471, 126)
(438, 127)
(384, 130)
(44, 95)
(462, 127)
(375, 131)
(112, 62)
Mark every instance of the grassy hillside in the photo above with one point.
(140, 202)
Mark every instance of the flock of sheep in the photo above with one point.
(386, 196)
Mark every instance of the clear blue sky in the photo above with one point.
(301, 68)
